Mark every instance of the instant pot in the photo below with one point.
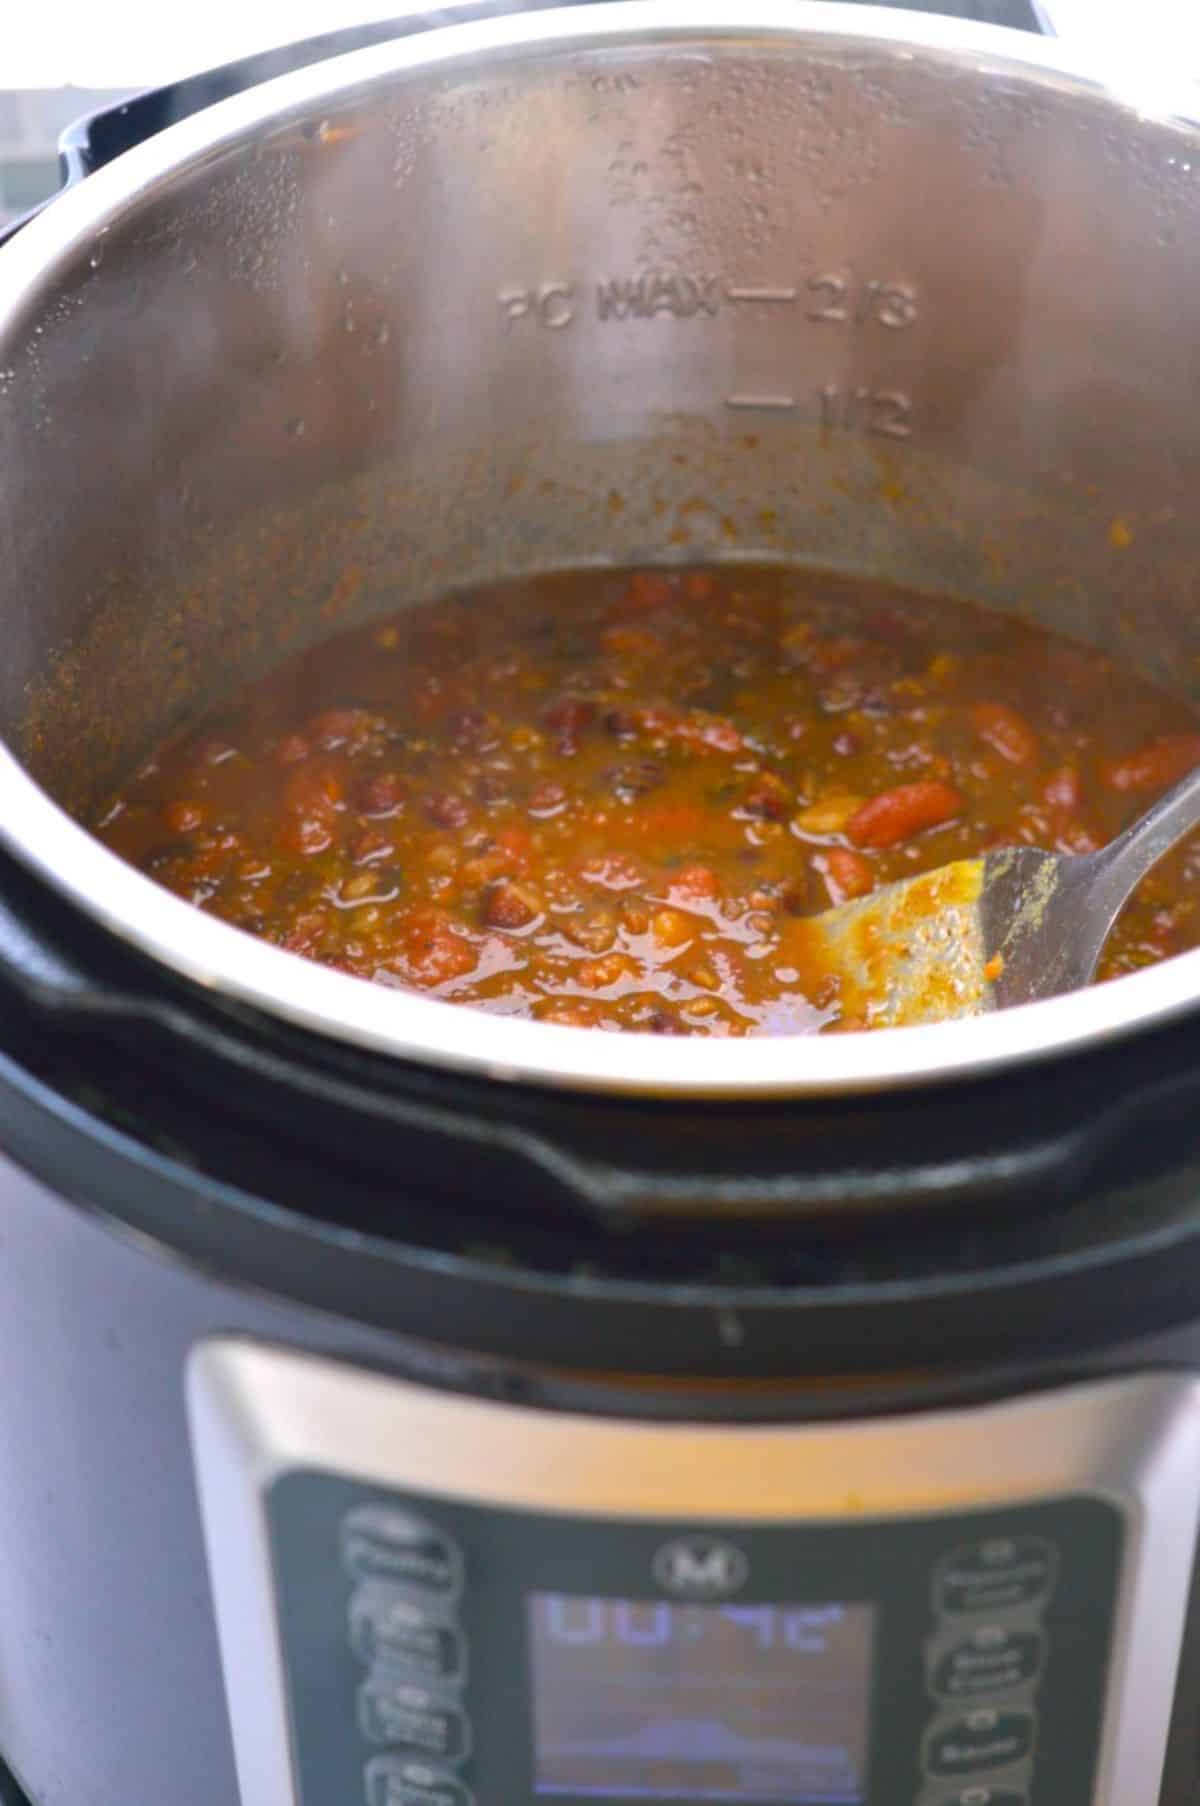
(404, 1407)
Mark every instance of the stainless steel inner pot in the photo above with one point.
(866, 291)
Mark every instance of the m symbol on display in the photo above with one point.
(700, 1567)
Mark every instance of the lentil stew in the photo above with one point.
(609, 799)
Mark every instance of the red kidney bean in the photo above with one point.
(446, 811)
(1154, 766)
(898, 815)
(511, 905)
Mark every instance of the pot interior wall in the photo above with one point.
(704, 296)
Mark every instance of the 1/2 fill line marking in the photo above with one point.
(781, 404)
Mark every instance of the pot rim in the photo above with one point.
(224, 960)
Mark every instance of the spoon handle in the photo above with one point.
(1120, 867)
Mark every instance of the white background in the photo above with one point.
(126, 43)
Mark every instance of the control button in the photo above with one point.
(386, 1627)
(995, 1575)
(392, 1781)
(381, 1543)
(980, 1740)
(389, 1712)
(991, 1660)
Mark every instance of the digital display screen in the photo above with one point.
(646, 1699)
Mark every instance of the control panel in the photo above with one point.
(426, 1600)
(443, 1654)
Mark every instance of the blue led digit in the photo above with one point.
(642, 1626)
(575, 1620)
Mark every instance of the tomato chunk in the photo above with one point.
(695, 883)
(1006, 731)
(1062, 789)
(184, 816)
(847, 874)
(650, 589)
(432, 952)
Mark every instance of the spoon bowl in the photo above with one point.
(1009, 927)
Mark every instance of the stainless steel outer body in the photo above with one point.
(110, 1674)
(110, 1679)
(872, 292)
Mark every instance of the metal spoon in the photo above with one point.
(982, 934)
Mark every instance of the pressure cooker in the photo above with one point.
(410, 1407)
